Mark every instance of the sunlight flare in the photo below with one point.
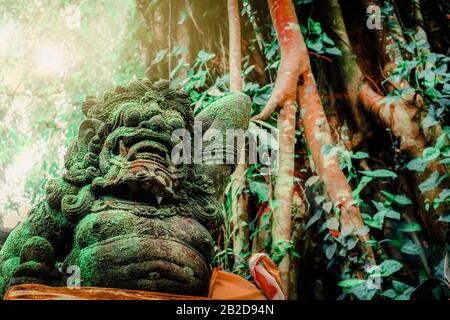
(50, 59)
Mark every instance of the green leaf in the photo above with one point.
(260, 190)
(351, 243)
(319, 199)
(314, 218)
(362, 231)
(441, 141)
(417, 165)
(431, 183)
(444, 195)
(364, 181)
(311, 181)
(378, 205)
(402, 200)
(360, 155)
(327, 206)
(390, 293)
(430, 154)
(349, 283)
(410, 248)
(159, 56)
(399, 199)
(330, 251)
(265, 219)
(333, 223)
(393, 214)
(314, 27)
(333, 51)
(388, 267)
(430, 119)
(347, 230)
(400, 287)
(411, 227)
(406, 295)
(314, 45)
(377, 221)
(445, 217)
(204, 56)
(362, 292)
(327, 39)
(382, 173)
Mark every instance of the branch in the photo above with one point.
(292, 49)
(235, 46)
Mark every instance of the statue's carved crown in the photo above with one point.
(108, 108)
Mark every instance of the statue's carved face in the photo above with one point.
(127, 144)
(135, 158)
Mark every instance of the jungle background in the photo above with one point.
(384, 89)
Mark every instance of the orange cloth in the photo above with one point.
(267, 277)
(228, 286)
(223, 286)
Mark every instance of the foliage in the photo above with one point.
(317, 40)
(53, 54)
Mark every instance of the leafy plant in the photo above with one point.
(317, 40)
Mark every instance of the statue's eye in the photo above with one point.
(132, 118)
(175, 120)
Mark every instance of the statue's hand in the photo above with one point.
(37, 263)
(229, 112)
(228, 119)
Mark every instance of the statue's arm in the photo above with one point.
(230, 117)
(33, 247)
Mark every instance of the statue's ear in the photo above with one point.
(89, 128)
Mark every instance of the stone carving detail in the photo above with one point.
(123, 212)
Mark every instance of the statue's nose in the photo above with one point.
(157, 123)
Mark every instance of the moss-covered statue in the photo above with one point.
(124, 213)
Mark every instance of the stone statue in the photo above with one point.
(124, 215)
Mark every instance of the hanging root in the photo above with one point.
(318, 137)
